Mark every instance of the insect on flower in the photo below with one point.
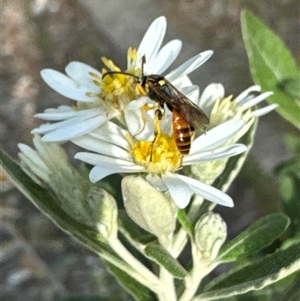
(186, 118)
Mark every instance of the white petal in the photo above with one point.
(87, 114)
(99, 172)
(165, 57)
(190, 65)
(221, 153)
(67, 87)
(73, 131)
(264, 110)
(156, 182)
(69, 129)
(96, 159)
(105, 165)
(139, 122)
(183, 81)
(209, 96)
(191, 92)
(80, 73)
(101, 147)
(109, 131)
(208, 192)
(216, 136)
(246, 92)
(255, 100)
(179, 190)
(58, 114)
(152, 40)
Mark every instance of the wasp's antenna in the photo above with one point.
(119, 72)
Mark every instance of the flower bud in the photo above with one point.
(148, 207)
(210, 234)
(104, 211)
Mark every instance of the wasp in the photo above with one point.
(186, 116)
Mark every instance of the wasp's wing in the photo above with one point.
(184, 106)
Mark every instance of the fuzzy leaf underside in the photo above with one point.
(43, 199)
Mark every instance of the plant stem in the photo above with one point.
(140, 272)
(167, 280)
(199, 271)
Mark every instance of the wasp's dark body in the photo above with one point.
(161, 90)
(187, 117)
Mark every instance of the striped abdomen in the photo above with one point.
(182, 133)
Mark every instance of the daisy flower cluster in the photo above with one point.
(119, 135)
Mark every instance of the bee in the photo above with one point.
(186, 116)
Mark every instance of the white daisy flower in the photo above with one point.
(220, 108)
(100, 100)
(114, 150)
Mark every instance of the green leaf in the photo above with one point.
(255, 276)
(289, 184)
(185, 222)
(292, 292)
(259, 235)
(44, 200)
(271, 65)
(139, 291)
(161, 256)
(291, 86)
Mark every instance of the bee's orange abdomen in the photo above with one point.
(182, 133)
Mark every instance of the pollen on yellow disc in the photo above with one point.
(157, 156)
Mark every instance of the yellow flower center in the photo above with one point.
(117, 89)
(157, 156)
(226, 109)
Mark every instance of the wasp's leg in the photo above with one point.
(159, 114)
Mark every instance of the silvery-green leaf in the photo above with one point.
(139, 291)
(259, 235)
(292, 292)
(104, 211)
(160, 255)
(44, 200)
(254, 276)
(89, 236)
